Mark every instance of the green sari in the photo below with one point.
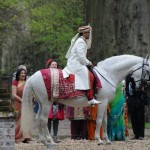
(116, 125)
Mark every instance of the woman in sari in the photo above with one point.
(17, 91)
(91, 122)
(116, 125)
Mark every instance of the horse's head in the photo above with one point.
(141, 72)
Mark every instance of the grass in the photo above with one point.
(147, 125)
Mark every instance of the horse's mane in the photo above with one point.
(108, 62)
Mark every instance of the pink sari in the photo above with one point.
(17, 107)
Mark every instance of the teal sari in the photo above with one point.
(116, 125)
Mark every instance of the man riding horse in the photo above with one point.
(77, 63)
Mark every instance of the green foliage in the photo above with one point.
(147, 125)
(8, 14)
(33, 31)
(52, 25)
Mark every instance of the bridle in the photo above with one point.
(142, 75)
(144, 71)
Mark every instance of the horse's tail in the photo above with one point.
(27, 108)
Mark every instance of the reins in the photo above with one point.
(142, 75)
(104, 78)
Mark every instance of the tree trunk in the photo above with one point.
(119, 27)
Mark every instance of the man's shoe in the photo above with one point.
(134, 138)
(141, 138)
(56, 140)
(93, 102)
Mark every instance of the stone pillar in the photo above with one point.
(7, 133)
(7, 126)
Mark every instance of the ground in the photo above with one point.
(68, 144)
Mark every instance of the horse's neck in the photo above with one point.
(118, 71)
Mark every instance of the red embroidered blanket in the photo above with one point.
(59, 87)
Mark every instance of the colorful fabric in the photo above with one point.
(97, 82)
(76, 112)
(91, 122)
(92, 112)
(83, 29)
(116, 126)
(57, 112)
(126, 120)
(17, 107)
(90, 92)
(69, 112)
(46, 74)
(67, 89)
(77, 115)
(15, 83)
(91, 126)
(59, 87)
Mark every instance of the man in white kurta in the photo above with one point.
(77, 62)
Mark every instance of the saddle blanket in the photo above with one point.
(59, 87)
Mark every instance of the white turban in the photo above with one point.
(81, 29)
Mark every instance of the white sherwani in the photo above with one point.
(77, 63)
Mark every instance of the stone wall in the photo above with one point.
(7, 133)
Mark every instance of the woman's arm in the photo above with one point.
(14, 94)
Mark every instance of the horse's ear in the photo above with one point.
(147, 57)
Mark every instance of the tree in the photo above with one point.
(119, 27)
(52, 24)
(38, 30)
(13, 34)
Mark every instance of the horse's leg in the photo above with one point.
(44, 114)
(104, 124)
(100, 115)
(42, 119)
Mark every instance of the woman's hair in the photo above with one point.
(49, 61)
(18, 73)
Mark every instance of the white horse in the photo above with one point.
(111, 72)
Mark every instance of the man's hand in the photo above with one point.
(90, 63)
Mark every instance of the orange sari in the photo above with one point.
(91, 123)
(17, 107)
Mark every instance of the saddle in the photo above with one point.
(59, 87)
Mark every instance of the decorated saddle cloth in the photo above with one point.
(59, 87)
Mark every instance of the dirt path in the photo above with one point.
(68, 144)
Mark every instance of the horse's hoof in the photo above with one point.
(101, 143)
(108, 143)
(53, 143)
(49, 146)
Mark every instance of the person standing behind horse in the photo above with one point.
(78, 122)
(91, 122)
(17, 92)
(116, 125)
(135, 108)
(77, 62)
(56, 110)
